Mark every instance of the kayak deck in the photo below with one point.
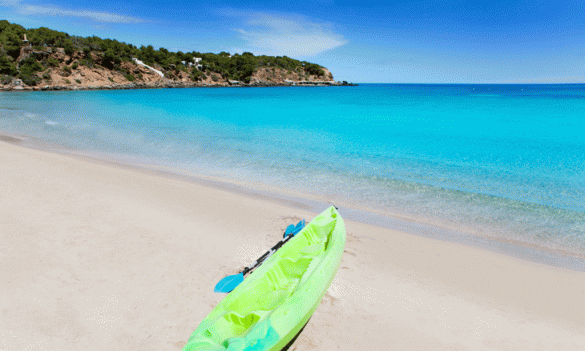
(269, 308)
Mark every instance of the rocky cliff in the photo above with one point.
(43, 59)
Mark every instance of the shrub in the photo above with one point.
(28, 68)
(31, 80)
(314, 69)
(5, 79)
(53, 62)
(30, 65)
(75, 65)
(7, 66)
(11, 43)
(110, 59)
(130, 77)
(69, 50)
(78, 81)
(111, 80)
(46, 76)
(197, 75)
(67, 81)
(87, 63)
(67, 69)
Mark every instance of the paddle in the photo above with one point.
(229, 283)
(294, 229)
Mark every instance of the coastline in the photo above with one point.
(168, 85)
(89, 232)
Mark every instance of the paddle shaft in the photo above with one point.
(267, 254)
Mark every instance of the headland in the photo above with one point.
(44, 59)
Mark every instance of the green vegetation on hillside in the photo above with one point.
(108, 53)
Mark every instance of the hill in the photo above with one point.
(43, 59)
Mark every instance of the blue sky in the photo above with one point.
(359, 41)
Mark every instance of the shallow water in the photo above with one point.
(502, 161)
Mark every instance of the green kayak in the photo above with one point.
(269, 308)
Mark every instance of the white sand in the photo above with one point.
(100, 258)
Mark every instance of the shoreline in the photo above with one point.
(516, 249)
(170, 85)
(103, 254)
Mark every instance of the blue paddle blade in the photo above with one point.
(299, 227)
(289, 230)
(229, 283)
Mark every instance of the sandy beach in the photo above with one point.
(98, 257)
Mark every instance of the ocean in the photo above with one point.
(498, 162)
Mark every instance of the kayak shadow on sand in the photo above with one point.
(295, 338)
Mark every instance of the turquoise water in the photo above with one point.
(503, 161)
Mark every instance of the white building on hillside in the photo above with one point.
(197, 64)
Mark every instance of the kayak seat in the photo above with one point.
(229, 325)
(272, 299)
(239, 323)
(312, 250)
(295, 268)
(310, 236)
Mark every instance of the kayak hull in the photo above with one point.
(275, 302)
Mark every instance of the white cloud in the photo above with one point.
(281, 35)
(9, 3)
(40, 10)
